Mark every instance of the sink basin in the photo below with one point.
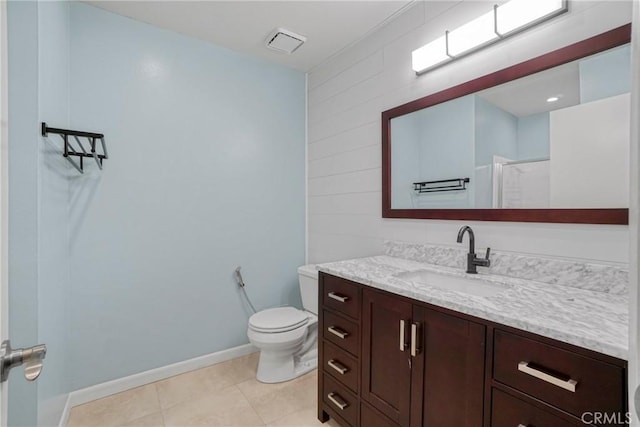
(479, 287)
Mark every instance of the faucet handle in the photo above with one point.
(487, 254)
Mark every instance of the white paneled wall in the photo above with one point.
(347, 94)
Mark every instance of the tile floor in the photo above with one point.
(225, 394)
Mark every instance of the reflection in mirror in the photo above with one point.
(555, 139)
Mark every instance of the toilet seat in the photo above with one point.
(278, 320)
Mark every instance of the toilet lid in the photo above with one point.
(279, 319)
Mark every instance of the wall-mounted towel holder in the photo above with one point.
(454, 184)
(80, 151)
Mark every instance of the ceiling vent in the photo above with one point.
(284, 40)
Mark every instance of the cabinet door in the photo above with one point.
(447, 387)
(386, 364)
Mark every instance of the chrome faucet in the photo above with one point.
(472, 260)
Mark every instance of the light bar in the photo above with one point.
(501, 22)
(478, 32)
(430, 55)
(517, 14)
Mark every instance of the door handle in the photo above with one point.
(402, 341)
(415, 346)
(31, 358)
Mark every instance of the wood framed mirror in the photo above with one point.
(484, 150)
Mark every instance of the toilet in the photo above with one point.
(286, 336)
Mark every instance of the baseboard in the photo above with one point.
(108, 388)
(64, 418)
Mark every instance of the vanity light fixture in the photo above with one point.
(501, 22)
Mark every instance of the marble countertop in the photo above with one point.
(590, 319)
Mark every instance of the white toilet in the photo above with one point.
(288, 337)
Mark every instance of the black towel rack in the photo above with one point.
(79, 151)
(455, 184)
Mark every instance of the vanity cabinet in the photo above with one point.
(386, 354)
(387, 360)
(420, 366)
(448, 370)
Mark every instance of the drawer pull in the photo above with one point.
(337, 332)
(337, 297)
(402, 335)
(569, 385)
(522, 425)
(337, 400)
(415, 347)
(338, 366)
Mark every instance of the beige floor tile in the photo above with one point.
(195, 384)
(274, 401)
(305, 418)
(227, 407)
(117, 409)
(153, 420)
(253, 388)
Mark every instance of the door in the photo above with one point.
(4, 278)
(386, 360)
(447, 387)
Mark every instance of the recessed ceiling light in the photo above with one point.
(552, 99)
(284, 40)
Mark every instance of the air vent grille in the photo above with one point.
(284, 40)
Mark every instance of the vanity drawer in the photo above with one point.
(340, 365)
(508, 411)
(342, 401)
(567, 380)
(341, 295)
(342, 332)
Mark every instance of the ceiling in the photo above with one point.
(528, 95)
(243, 26)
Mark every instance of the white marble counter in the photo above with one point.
(591, 319)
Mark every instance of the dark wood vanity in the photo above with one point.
(386, 360)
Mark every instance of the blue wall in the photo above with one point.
(496, 133)
(53, 209)
(405, 164)
(206, 172)
(534, 138)
(604, 75)
(446, 145)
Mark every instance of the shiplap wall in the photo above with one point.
(348, 92)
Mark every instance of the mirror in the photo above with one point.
(546, 141)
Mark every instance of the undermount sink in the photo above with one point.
(479, 287)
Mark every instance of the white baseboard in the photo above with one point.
(99, 391)
(64, 418)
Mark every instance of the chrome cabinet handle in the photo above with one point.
(402, 335)
(333, 397)
(522, 425)
(338, 366)
(569, 385)
(337, 297)
(415, 348)
(337, 332)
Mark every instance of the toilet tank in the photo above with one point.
(308, 280)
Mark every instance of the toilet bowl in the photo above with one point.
(286, 336)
